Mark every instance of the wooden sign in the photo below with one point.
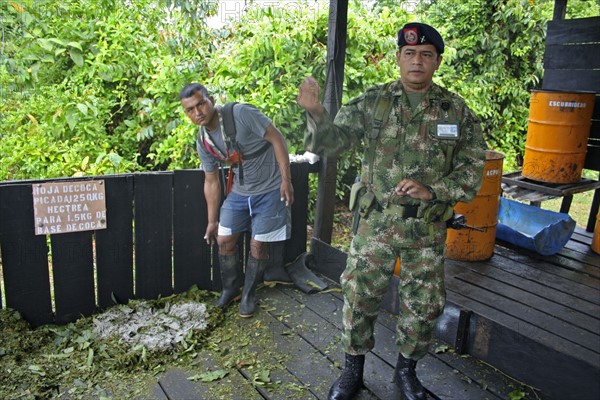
(64, 207)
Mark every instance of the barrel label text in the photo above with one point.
(567, 104)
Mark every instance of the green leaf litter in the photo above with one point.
(124, 351)
(115, 354)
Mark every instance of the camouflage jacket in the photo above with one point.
(408, 145)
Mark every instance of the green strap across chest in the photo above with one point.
(383, 106)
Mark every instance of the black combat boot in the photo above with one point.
(255, 270)
(351, 380)
(231, 280)
(406, 379)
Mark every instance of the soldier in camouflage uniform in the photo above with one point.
(421, 157)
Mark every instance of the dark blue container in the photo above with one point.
(542, 231)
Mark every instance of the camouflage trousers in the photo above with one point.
(380, 239)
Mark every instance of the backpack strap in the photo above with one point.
(229, 123)
(448, 107)
(230, 135)
(230, 132)
(383, 106)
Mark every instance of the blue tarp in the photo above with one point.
(530, 227)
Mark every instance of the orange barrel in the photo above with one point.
(557, 135)
(596, 238)
(469, 244)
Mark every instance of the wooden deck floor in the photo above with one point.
(305, 328)
(534, 318)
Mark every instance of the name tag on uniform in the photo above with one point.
(447, 131)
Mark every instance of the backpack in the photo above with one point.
(230, 137)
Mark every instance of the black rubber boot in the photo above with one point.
(351, 380)
(303, 277)
(406, 379)
(255, 270)
(275, 272)
(231, 280)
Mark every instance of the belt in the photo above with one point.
(404, 211)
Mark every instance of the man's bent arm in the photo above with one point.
(273, 136)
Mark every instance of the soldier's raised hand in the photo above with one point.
(308, 96)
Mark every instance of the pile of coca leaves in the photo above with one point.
(115, 354)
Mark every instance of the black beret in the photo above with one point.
(416, 33)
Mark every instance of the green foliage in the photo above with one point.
(77, 361)
(90, 87)
(494, 59)
(271, 50)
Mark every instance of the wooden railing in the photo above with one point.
(153, 246)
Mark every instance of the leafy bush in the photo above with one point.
(271, 50)
(90, 87)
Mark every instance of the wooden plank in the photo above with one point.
(581, 248)
(577, 30)
(554, 189)
(581, 56)
(571, 80)
(303, 365)
(191, 255)
(73, 272)
(114, 245)
(153, 210)
(553, 282)
(468, 369)
(24, 257)
(332, 100)
(580, 262)
(501, 343)
(174, 383)
(550, 331)
(296, 245)
(440, 381)
(559, 313)
(324, 344)
(582, 236)
(531, 260)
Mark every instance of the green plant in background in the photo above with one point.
(494, 59)
(90, 87)
(273, 49)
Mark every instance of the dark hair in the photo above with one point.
(190, 89)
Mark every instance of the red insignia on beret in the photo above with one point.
(411, 36)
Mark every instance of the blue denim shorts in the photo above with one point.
(265, 216)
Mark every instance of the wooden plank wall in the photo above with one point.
(153, 246)
(572, 63)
